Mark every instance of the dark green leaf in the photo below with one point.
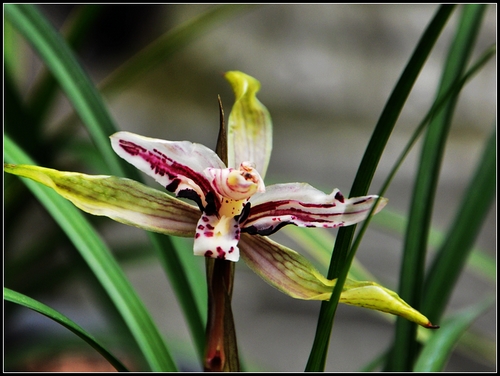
(74, 81)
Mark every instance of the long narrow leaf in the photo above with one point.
(436, 107)
(451, 257)
(18, 298)
(412, 269)
(383, 129)
(102, 263)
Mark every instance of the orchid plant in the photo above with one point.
(218, 203)
(235, 211)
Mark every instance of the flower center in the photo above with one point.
(235, 186)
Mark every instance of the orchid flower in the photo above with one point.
(234, 212)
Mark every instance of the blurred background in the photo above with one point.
(326, 72)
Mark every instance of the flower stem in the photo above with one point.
(221, 351)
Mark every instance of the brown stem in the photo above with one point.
(221, 351)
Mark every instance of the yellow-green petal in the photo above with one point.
(123, 200)
(295, 276)
(372, 295)
(249, 132)
(283, 268)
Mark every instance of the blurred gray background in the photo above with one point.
(326, 72)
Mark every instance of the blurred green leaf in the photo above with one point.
(318, 244)
(14, 53)
(159, 51)
(478, 262)
(36, 306)
(478, 347)
(455, 88)
(438, 348)
(74, 30)
(180, 270)
(88, 103)
(17, 118)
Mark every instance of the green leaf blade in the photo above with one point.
(90, 107)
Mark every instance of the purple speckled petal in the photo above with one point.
(178, 166)
(217, 237)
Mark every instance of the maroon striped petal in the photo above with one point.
(305, 206)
